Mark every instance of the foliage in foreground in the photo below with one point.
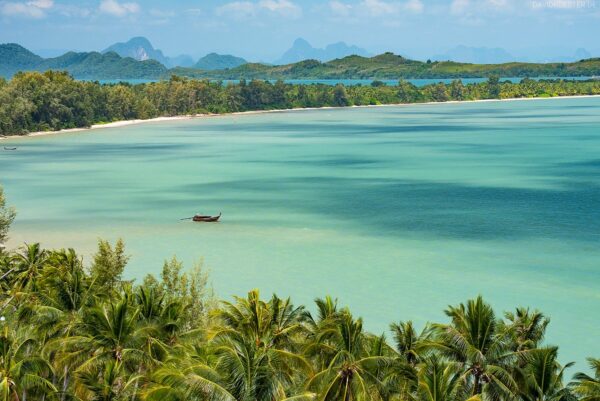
(35, 101)
(71, 332)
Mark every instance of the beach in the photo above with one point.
(124, 123)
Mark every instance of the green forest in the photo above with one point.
(34, 101)
(71, 330)
(392, 66)
(94, 65)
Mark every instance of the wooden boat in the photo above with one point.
(7, 148)
(206, 219)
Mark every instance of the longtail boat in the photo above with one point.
(206, 219)
(7, 148)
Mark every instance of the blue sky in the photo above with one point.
(264, 29)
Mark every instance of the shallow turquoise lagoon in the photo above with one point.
(397, 211)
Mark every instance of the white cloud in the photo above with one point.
(248, 9)
(282, 7)
(415, 6)
(29, 9)
(340, 9)
(381, 8)
(459, 6)
(237, 10)
(377, 8)
(117, 9)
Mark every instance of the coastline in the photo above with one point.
(124, 123)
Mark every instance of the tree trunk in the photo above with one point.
(65, 384)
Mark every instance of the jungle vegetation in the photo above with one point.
(76, 331)
(109, 65)
(33, 101)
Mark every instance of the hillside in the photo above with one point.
(302, 50)
(92, 65)
(214, 61)
(14, 58)
(391, 66)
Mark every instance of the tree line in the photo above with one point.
(33, 101)
(70, 331)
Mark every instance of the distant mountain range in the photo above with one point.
(214, 61)
(302, 50)
(392, 66)
(140, 48)
(111, 66)
(87, 65)
(497, 55)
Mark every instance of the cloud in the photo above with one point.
(117, 9)
(237, 10)
(377, 8)
(340, 9)
(381, 8)
(458, 7)
(248, 9)
(282, 7)
(415, 6)
(29, 9)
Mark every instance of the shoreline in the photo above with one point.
(124, 123)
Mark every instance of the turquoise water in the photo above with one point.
(397, 211)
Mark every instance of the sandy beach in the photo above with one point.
(123, 123)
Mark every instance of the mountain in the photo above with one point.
(92, 65)
(140, 48)
(391, 66)
(476, 55)
(302, 50)
(182, 60)
(579, 54)
(214, 61)
(14, 58)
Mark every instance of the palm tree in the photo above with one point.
(110, 383)
(542, 377)
(110, 337)
(527, 328)
(256, 345)
(60, 308)
(474, 339)
(352, 372)
(410, 346)
(585, 386)
(29, 264)
(23, 372)
(440, 381)
(186, 377)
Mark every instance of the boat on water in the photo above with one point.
(10, 148)
(206, 219)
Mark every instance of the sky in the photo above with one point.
(261, 30)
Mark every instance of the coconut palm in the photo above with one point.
(527, 328)
(186, 378)
(476, 341)
(29, 263)
(542, 377)
(585, 386)
(256, 344)
(440, 381)
(411, 346)
(109, 382)
(352, 372)
(23, 373)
